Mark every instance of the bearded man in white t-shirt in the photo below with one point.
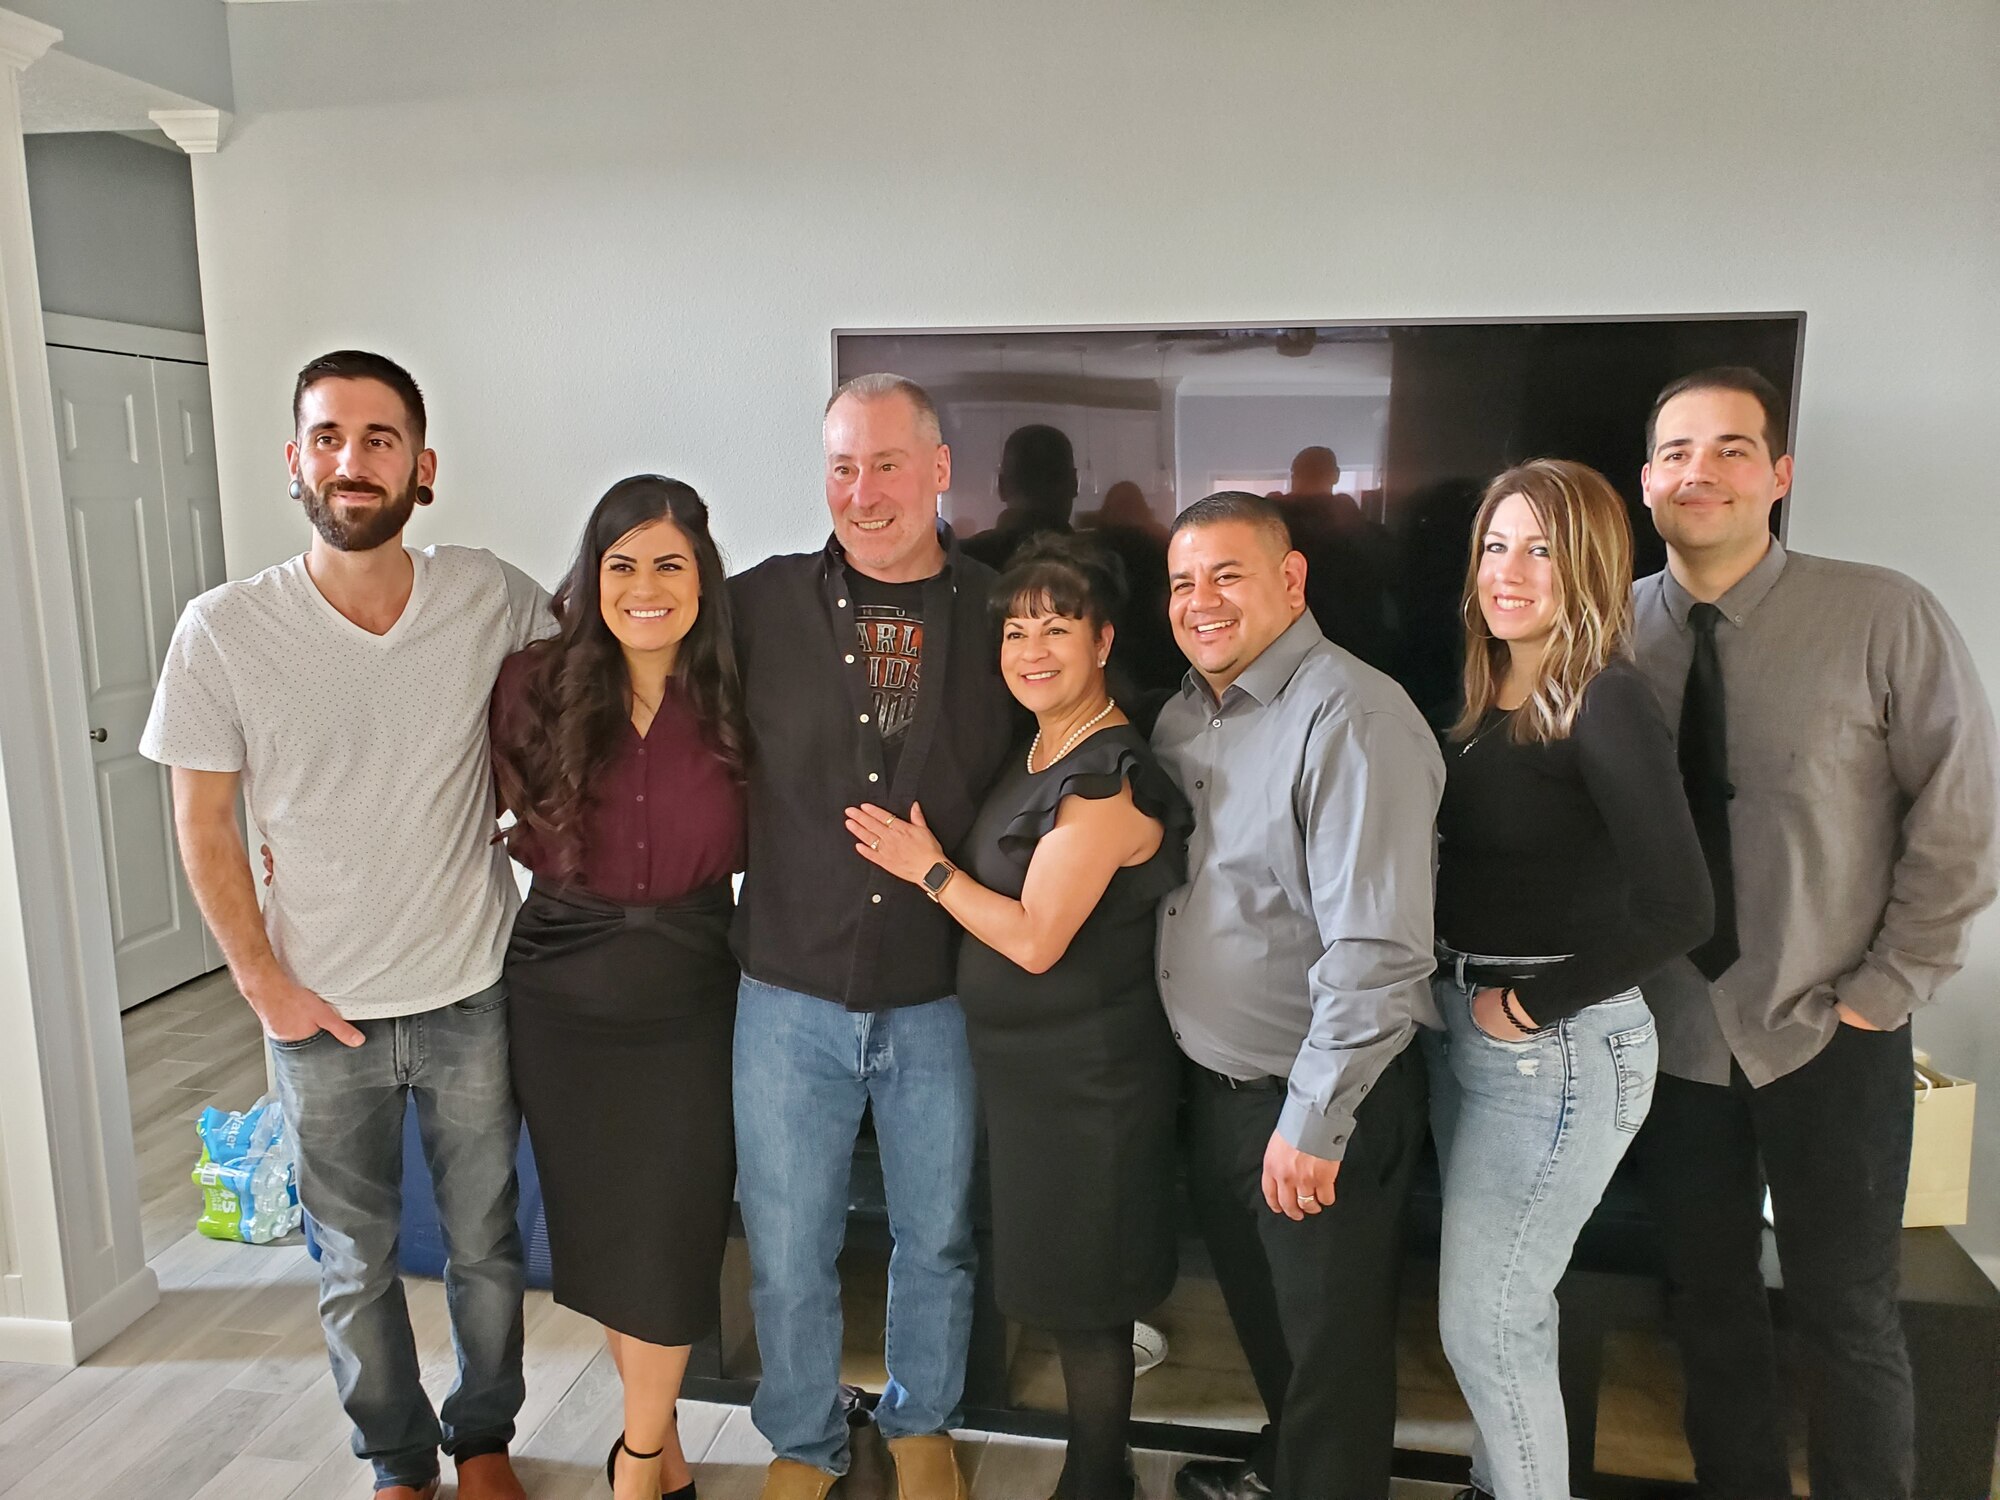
(343, 694)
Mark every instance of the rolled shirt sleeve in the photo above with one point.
(1366, 805)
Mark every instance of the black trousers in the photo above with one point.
(1832, 1139)
(1313, 1301)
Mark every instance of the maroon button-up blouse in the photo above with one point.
(668, 817)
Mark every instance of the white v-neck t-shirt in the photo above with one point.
(365, 767)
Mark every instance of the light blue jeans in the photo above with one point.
(805, 1068)
(345, 1107)
(1529, 1133)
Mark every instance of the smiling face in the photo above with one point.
(649, 590)
(1235, 589)
(884, 471)
(357, 462)
(1518, 591)
(1053, 663)
(1711, 481)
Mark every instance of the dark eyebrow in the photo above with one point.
(663, 557)
(319, 427)
(1227, 562)
(1727, 437)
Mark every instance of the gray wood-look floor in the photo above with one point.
(223, 1390)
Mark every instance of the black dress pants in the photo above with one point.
(1313, 1301)
(1833, 1141)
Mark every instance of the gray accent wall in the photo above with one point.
(114, 230)
(181, 45)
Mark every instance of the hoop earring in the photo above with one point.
(297, 493)
(424, 495)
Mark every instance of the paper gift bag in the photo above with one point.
(1940, 1149)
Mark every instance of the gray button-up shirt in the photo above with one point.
(1301, 946)
(1862, 751)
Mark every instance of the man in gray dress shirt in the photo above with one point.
(1856, 816)
(1295, 970)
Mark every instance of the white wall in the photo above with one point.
(114, 230)
(621, 244)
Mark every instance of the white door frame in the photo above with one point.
(73, 1267)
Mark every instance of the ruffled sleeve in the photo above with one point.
(1098, 768)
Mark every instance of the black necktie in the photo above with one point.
(1705, 772)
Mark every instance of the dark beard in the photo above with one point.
(368, 532)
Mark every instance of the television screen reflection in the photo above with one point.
(1376, 439)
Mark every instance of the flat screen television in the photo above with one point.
(1390, 430)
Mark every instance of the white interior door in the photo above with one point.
(133, 434)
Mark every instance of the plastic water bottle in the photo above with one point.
(248, 1174)
(274, 1199)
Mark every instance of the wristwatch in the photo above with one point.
(937, 877)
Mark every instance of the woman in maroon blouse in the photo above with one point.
(618, 744)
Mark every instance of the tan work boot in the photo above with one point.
(489, 1477)
(788, 1479)
(408, 1492)
(927, 1468)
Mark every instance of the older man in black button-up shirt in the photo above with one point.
(871, 676)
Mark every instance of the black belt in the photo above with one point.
(1494, 976)
(1265, 1085)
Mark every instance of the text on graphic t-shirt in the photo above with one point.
(890, 620)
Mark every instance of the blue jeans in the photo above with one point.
(804, 1070)
(1529, 1133)
(346, 1107)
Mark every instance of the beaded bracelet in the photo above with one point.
(1510, 1008)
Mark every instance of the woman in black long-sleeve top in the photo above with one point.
(1568, 871)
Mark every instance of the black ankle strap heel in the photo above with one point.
(611, 1463)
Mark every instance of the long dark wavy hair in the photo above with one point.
(577, 693)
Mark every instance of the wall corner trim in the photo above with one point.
(23, 41)
(196, 131)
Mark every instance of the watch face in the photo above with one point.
(936, 876)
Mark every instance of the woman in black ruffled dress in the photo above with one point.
(1078, 1073)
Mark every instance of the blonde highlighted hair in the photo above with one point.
(1589, 537)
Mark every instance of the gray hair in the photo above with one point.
(875, 387)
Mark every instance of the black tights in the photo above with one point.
(1097, 1378)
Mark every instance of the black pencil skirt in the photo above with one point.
(621, 1020)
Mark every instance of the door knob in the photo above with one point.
(100, 735)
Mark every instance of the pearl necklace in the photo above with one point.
(1069, 744)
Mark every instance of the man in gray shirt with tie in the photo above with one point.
(1295, 968)
(1839, 756)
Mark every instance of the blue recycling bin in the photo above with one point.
(420, 1240)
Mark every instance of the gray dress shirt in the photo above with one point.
(1300, 948)
(1862, 751)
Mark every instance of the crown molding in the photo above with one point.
(196, 131)
(23, 41)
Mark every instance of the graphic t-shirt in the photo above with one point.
(890, 620)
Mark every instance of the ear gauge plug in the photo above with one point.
(424, 495)
(297, 493)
